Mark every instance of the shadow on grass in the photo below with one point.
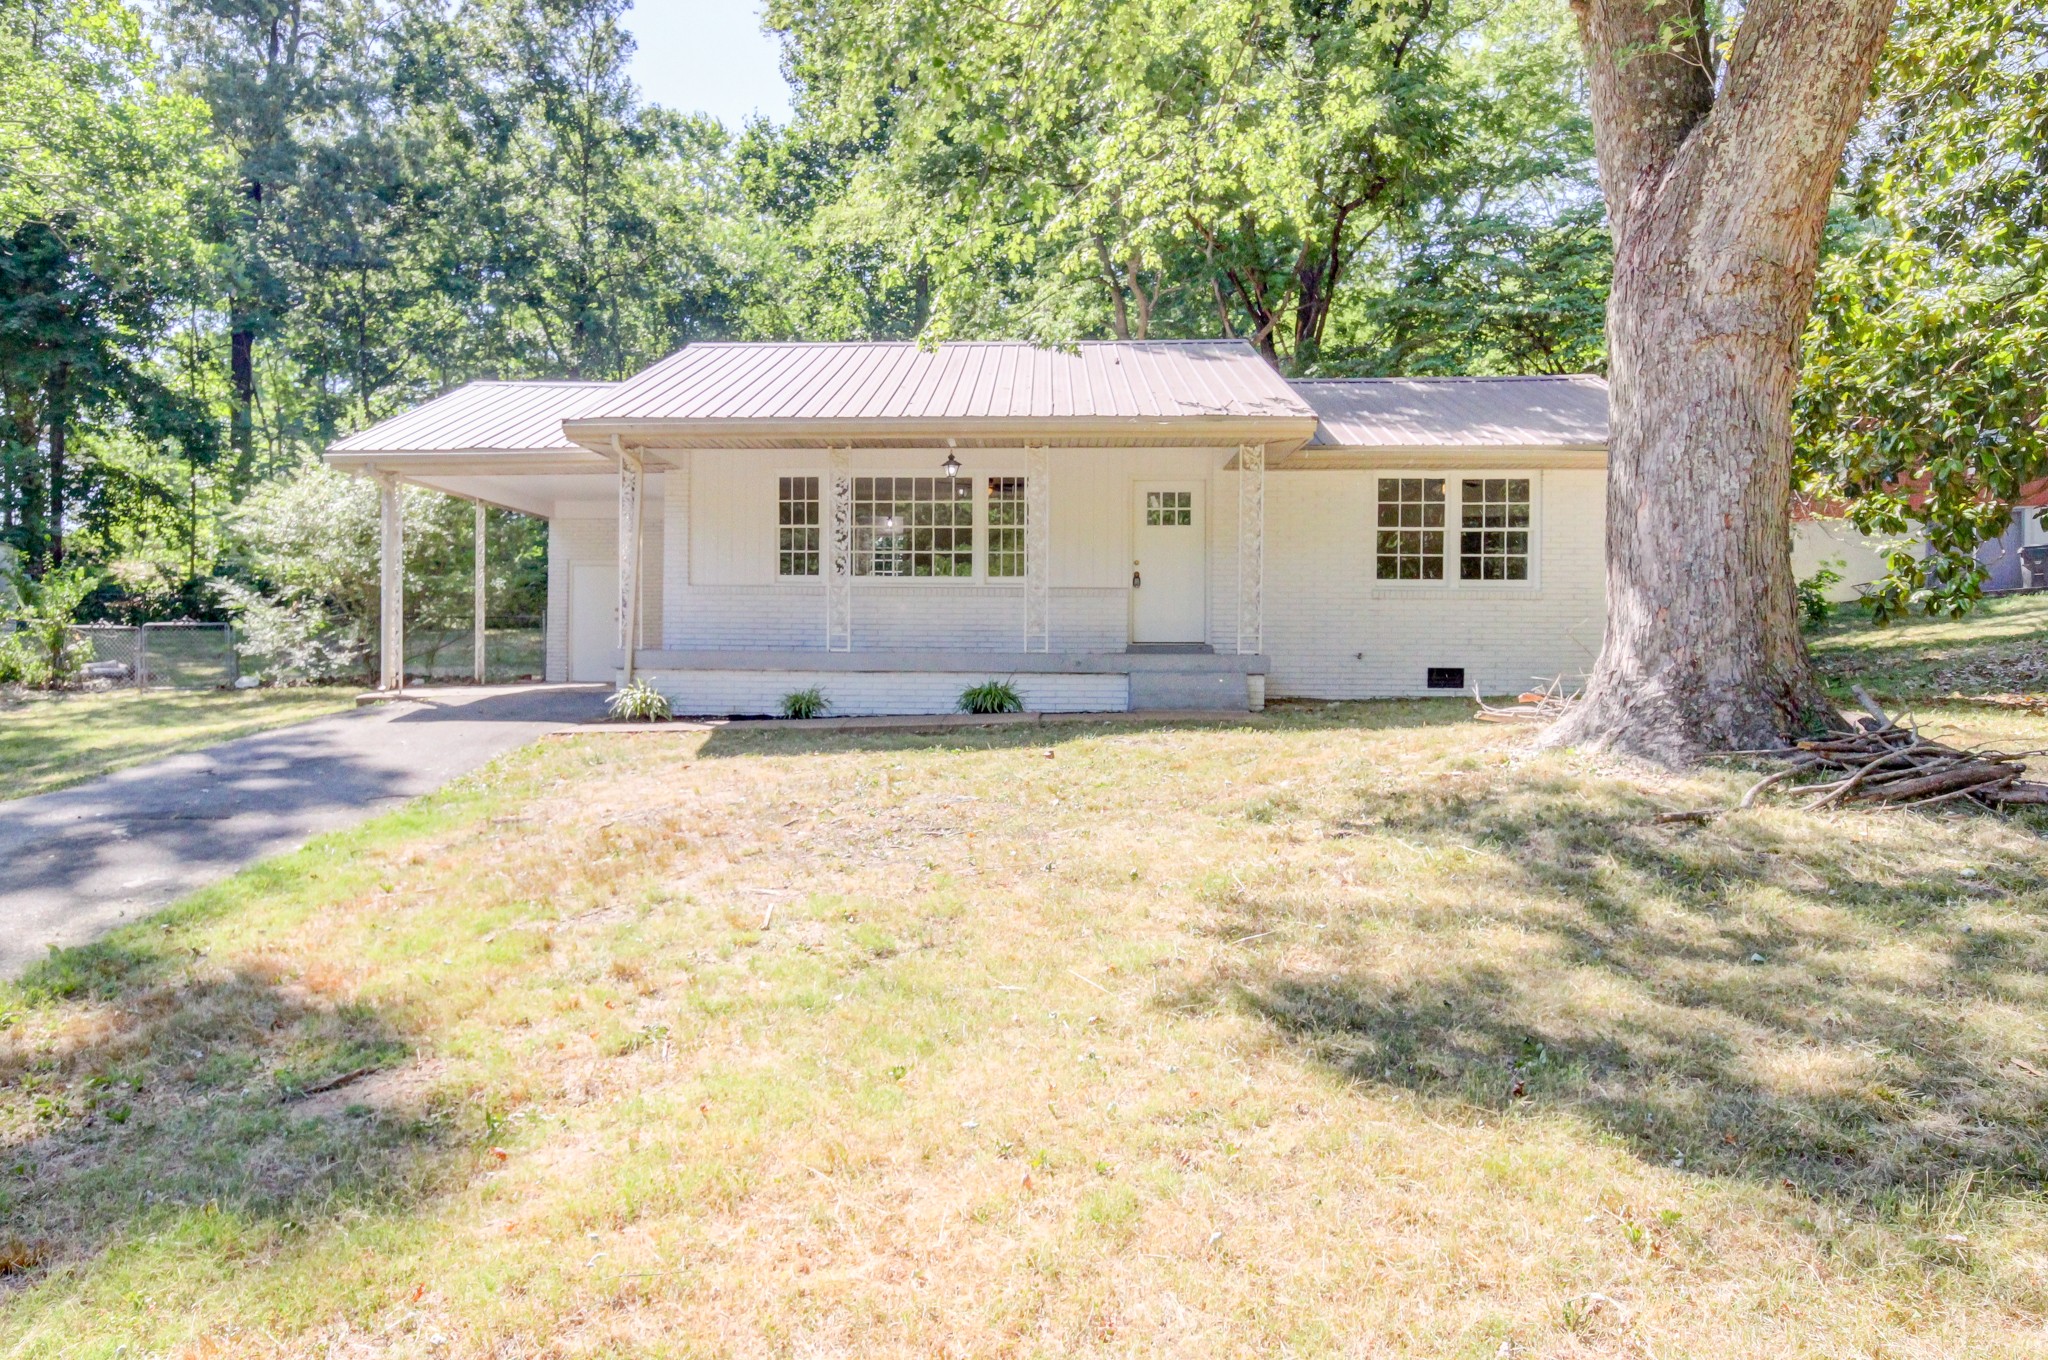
(1847, 1016)
(1282, 717)
(170, 1105)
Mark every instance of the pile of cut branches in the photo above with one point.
(1885, 763)
(1536, 706)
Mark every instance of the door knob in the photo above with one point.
(1136, 580)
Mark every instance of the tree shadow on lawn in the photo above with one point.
(1282, 716)
(170, 1102)
(1768, 997)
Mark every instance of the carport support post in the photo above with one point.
(631, 475)
(391, 597)
(478, 646)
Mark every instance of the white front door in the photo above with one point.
(1169, 564)
(593, 620)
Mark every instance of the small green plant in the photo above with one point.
(804, 703)
(1815, 608)
(640, 702)
(43, 652)
(991, 696)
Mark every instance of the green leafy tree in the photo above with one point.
(73, 344)
(101, 171)
(1926, 372)
(1179, 167)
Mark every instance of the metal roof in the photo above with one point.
(1004, 380)
(482, 417)
(1101, 392)
(1366, 413)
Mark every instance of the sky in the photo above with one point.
(708, 56)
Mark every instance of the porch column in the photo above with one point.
(631, 477)
(478, 646)
(1037, 550)
(391, 586)
(1251, 548)
(839, 553)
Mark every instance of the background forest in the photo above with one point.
(233, 229)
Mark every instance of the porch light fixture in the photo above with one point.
(951, 467)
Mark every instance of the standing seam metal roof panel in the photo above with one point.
(884, 381)
(485, 416)
(1525, 412)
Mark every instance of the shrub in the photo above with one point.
(991, 696)
(19, 663)
(43, 651)
(1814, 605)
(291, 642)
(640, 702)
(804, 703)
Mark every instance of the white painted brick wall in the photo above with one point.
(1333, 632)
(866, 693)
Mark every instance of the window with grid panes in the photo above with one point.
(1170, 508)
(1007, 516)
(1409, 544)
(797, 543)
(913, 526)
(1493, 529)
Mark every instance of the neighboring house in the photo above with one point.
(1831, 541)
(1126, 525)
(2016, 560)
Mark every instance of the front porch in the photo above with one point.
(1091, 578)
(741, 682)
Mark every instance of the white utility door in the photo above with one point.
(1169, 564)
(593, 620)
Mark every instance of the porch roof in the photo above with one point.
(901, 394)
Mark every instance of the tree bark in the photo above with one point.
(242, 400)
(58, 435)
(1717, 185)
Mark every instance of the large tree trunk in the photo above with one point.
(1717, 187)
(59, 436)
(242, 400)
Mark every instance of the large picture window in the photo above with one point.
(1008, 513)
(797, 518)
(1410, 542)
(1493, 529)
(913, 526)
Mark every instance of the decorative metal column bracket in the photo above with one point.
(632, 476)
(1037, 549)
(1251, 548)
(839, 553)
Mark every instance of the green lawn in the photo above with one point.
(2000, 650)
(48, 741)
(1358, 1029)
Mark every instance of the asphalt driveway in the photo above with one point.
(78, 862)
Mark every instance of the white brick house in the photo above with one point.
(1122, 526)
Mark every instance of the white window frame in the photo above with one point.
(824, 479)
(984, 529)
(1454, 504)
(977, 476)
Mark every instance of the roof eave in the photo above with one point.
(428, 461)
(1281, 434)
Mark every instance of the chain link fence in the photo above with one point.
(514, 649)
(162, 655)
